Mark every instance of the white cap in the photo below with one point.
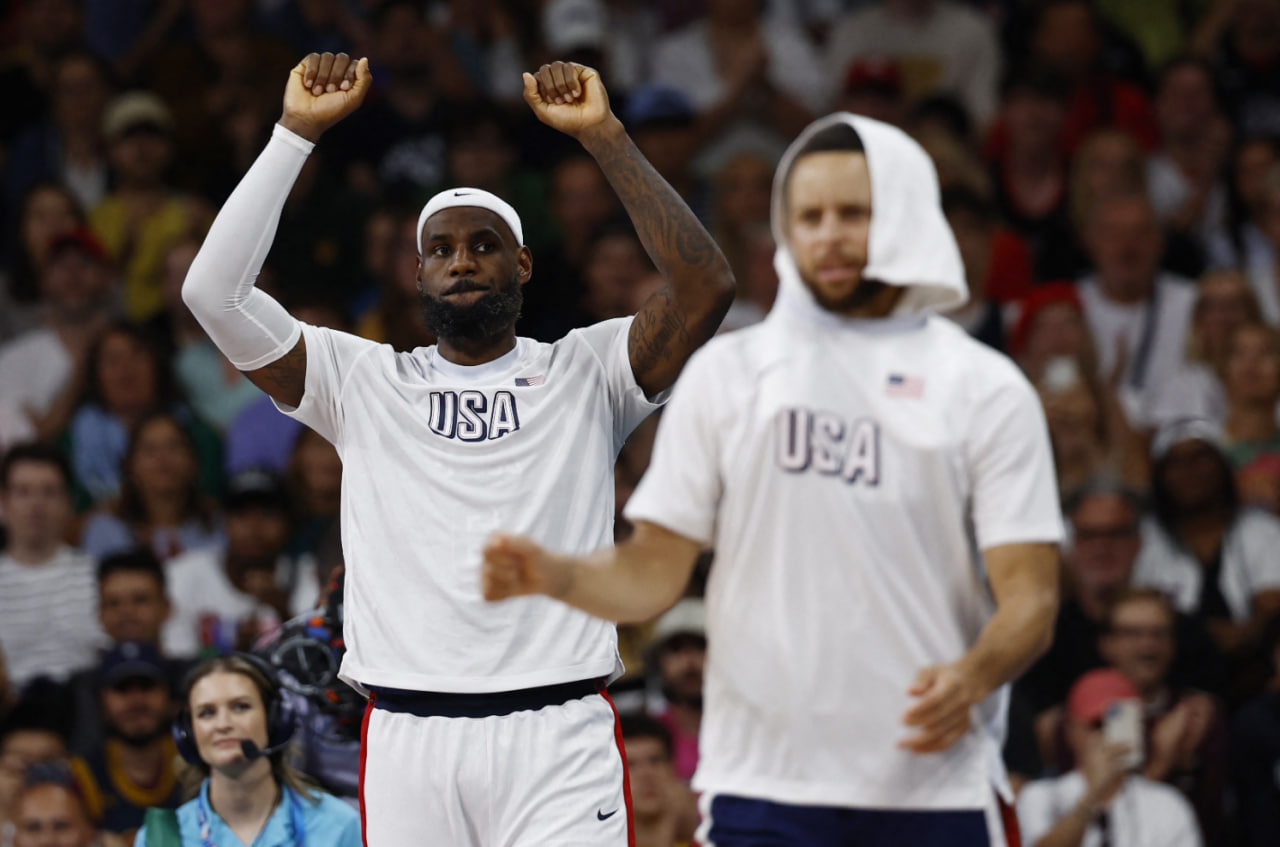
(573, 25)
(688, 616)
(471, 197)
(1185, 429)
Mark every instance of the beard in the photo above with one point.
(483, 320)
(139, 737)
(863, 294)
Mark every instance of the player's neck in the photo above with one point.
(466, 351)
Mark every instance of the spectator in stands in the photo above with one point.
(942, 46)
(204, 72)
(47, 212)
(142, 216)
(1224, 301)
(1242, 40)
(1029, 170)
(874, 87)
(133, 604)
(752, 85)
(1138, 315)
(1101, 801)
(662, 806)
(43, 31)
(1108, 163)
(740, 208)
(1215, 558)
(1251, 379)
(226, 598)
(127, 379)
(1105, 518)
(1242, 244)
(580, 199)
(677, 656)
(48, 625)
(160, 506)
(1255, 754)
(990, 255)
(1067, 39)
(51, 809)
(1184, 176)
(1186, 729)
(68, 147)
(394, 147)
(663, 123)
(315, 485)
(1050, 325)
(217, 390)
(133, 768)
(28, 735)
(133, 598)
(40, 370)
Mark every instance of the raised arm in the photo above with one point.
(632, 582)
(250, 328)
(699, 286)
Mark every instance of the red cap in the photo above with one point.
(1035, 301)
(879, 75)
(81, 238)
(1094, 692)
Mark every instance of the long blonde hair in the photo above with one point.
(192, 775)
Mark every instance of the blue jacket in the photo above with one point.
(329, 822)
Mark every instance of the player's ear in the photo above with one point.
(524, 265)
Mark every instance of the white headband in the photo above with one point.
(471, 197)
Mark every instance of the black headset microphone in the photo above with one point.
(253, 752)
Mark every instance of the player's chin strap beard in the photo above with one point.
(486, 319)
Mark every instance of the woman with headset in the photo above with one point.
(234, 728)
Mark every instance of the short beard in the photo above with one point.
(139, 740)
(493, 314)
(860, 297)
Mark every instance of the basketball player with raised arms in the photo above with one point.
(486, 726)
(879, 492)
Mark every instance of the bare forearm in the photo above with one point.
(1069, 830)
(628, 583)
(1017, 635)
(1024, 580)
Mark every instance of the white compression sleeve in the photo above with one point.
(248, 326)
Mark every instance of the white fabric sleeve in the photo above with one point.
(1015, 491)
(609, 340)
(332, 357)
(1036, 815)
(681, 490)
(249, 327)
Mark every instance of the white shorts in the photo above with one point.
(554, 775)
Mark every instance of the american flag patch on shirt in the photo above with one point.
(900, 385)
(529, 381)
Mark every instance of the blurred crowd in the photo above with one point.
(1110, 169)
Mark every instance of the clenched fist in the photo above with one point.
(568, 97)
(323, 89)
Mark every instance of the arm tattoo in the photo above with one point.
(285, 379)
(699, 285)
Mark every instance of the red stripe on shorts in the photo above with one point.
(626, 774)
(364, 755)
(1012, 835)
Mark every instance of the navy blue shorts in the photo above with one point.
(747, 822)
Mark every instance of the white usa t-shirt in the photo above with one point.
(846, 474)
(435, 457)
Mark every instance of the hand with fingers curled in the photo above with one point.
(941, 714)
(323, 89)
(515, 566)
(569, 97)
